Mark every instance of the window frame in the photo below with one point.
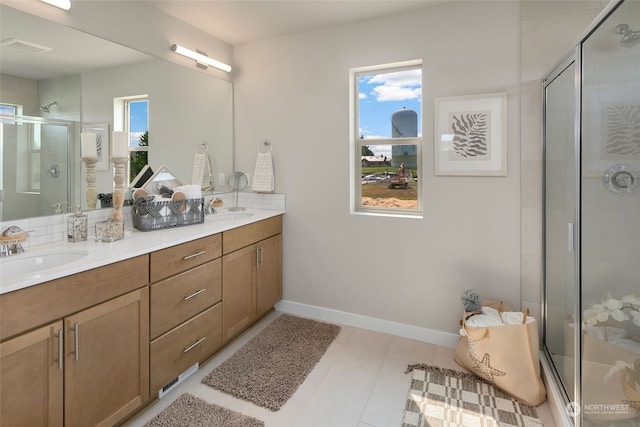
(122, 121)
(356, 143)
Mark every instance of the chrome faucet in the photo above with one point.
(11, 241)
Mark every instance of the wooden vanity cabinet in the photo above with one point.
(186, 309)
(80, 343)
(251, 274)
(31, 378)
(107, 359)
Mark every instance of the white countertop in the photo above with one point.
(134, 243)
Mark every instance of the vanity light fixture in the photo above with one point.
(201, 59)
(62, 4)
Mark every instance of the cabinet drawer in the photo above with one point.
(173, 260)
(180, 297)
(194, 341)
(37, 305)
(246, 235)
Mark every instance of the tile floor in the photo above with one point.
(360, 382)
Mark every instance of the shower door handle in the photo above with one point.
(571, 238)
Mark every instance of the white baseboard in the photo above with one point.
(379, 325)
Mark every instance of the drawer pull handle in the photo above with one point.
(60, 348)
(76, 345)
(194, 344)
(196, 293)
(193, 255)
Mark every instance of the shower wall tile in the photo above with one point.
(531, 97)
(531, 184)
(531, 136)
(531, 231)
(531, 278)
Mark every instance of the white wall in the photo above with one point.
(186, 108)
(294, 91)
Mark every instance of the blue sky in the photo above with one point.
(139, 120)
(380, 95)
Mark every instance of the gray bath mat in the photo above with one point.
(269, 368)
(189, 411)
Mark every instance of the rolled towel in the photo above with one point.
(191, 191)
(515, 318)
(488, 317)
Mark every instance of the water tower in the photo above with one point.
(404, 124)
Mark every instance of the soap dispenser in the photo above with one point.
(77, 226)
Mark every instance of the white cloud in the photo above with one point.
(398, 86)
(362, 95)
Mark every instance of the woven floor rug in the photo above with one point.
(268, 369)
(444, 397)
(189, 411)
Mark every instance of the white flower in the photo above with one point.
(590, 317)
(619, 366)
(636, 317)
(614, 308)
(613, 304)
(631, 299)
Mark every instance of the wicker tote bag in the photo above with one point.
(506, 356)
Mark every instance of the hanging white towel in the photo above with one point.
(263, 180)
(202, 171)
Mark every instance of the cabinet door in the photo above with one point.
(269, 274)
(238, 291)
(107, 360)
(31, 378)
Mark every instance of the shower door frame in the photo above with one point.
(574, 56)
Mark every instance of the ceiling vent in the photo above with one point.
(24, 46)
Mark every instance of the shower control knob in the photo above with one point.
(620, 179)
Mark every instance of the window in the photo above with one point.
(386, 139)
(8, 109)
(131, 115)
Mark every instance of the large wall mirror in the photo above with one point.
(78, 84)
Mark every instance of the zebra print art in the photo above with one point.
(471, 138)
(621, 130)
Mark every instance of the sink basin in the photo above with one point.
(230, 216)
(34, 263)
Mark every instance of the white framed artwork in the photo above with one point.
(102, 144)
(471, 135)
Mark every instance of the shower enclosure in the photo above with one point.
(35, 179)
(591, 331)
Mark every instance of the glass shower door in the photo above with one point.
(610, 220)
(560, 214)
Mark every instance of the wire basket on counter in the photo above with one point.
(151, 215)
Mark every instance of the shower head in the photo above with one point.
(630, 38)
(47, 108)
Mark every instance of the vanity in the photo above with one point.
(93, 341)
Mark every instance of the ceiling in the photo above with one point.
(234, 22)
(237, 22)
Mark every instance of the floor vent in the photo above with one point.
(177, 380)
(24, 46)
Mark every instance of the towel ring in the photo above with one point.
(265, 145)
(203, 148)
